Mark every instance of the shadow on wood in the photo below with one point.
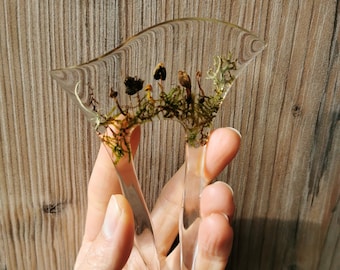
(275, 244)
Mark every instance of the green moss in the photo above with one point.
(194, 112)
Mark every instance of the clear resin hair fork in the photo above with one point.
(179, 70)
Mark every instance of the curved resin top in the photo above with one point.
(180, 69)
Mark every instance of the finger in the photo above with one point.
(217, 198)
(215, 237)
(222, 139)
(103, 183)
(117, 234)
(215, 233)
(221, 149)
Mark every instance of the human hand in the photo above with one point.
(109, 228)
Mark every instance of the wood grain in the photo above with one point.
(286, 105)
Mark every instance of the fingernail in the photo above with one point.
(228, 219)
(231, 189)
(238, 132)
(113, 213)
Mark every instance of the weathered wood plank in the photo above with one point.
(286, 105)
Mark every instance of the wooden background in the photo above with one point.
(287, 107)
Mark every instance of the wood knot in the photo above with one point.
(296, 110)
(53, 208)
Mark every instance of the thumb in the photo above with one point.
(112, 246)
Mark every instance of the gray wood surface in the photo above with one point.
(286, 105)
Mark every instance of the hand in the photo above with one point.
(109, 228)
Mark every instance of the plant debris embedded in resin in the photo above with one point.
(194, 111)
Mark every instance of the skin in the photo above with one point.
(109, 228)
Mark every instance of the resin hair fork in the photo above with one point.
(178, 70)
